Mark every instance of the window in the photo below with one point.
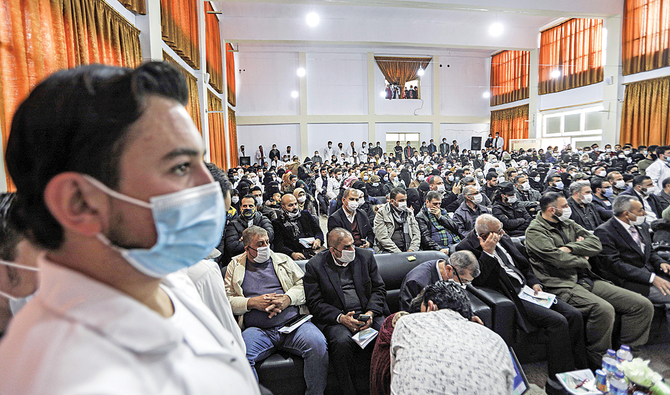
(393, 137)
(646, 35)
(576, 127)
(509, 76)
(571, 55)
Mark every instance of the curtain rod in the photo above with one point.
(649, 79)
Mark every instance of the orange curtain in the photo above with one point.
(645, 118)
(646, 35)
(39, 37)
(230, 74)
(401, 70)
(214, 61)
(217, 133)
(510, 72)
(179, 27)
(573, 49)
(511, 123)
(193, 106)
(138, 6)
(232, 130)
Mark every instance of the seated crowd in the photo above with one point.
(585, 224)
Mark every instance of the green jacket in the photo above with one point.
(643, 164)
(553, 267)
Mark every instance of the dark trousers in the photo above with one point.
(344, 353)
(564, 327)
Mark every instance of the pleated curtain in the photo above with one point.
(511, 123)
(217, 133)
(645, 118)
(193, 106)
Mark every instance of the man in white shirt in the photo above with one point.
(498, 142)
(441, 351)
(260, 156)
(328, 152)
(110, 315)
(363, 153)
(660, 169)
(349, 151)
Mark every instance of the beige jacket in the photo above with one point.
(383, 228)
(289, 274)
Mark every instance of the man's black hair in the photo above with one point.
(78, 120)
(448, 295)
(548, 198)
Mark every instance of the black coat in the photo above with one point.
(323, 289)
(417, 278)
(515, 219)
(339, 220)
(234, 229)
(584, 215)
(284, 240)
(626, 263)
(653, 201)
(426, 228)
(494, 276)
(602, 207)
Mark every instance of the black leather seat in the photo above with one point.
(282, 373)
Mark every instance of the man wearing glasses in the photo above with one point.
(461, 267)
(505, 269)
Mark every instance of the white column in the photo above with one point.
(612, 76)
(302, 60)
(436, 99)
(200, 75)
(150, 31)
(372, 97)
(534, 125)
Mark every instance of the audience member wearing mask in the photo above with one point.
(471, 208)
(353, 219)
(291, 226)
(438, 231)
(583, 210)
(508, 210)
(395, 227)
(248, 216)
(644, 190)
(602, 197)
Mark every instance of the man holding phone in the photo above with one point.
(345, 294)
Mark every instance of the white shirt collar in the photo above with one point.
(625, 225)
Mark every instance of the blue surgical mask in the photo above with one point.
(560, 185)
(189, 225)
(608, 192)
(17, 302)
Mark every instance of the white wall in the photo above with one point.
(337, 84)
(318, 135)
(265, 83)
(463, 80)
(254, 135)
(571, 97)
(462, 133)
(405, 106)
(425, 129)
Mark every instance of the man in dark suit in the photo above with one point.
(292, 225)
(583, 210)
(643, 189)
(350, 218)
(340, 284)
(627, 252)
(489, 142)
(505, 269)
(460, 268)
(444, 147)
(274, 153)
(409, 151)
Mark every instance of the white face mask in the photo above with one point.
(440, 188)
(262, 254)
(621, 184)
(402, 206)
(17, 302)
(420, 177)
(347, 257)
(602, 174)
(511, 199)
(302, 199)
(352, 205)
(537, 179)
(526, 186)
(588, 198)
(478, 198)
(650, 191)
(639, 220)
(235, 199)
(567, 212)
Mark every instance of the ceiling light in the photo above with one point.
(312, 19)
(555, 74)
(382, 94)
(295, 94)
(496, 29)
(421, 72)
(486, 95)
(301, 72)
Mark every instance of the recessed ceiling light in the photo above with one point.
(486, 95)
(496, 29)
(555, 74)
(312, 19)
(421, 72)
(301, 72)
(295, 94)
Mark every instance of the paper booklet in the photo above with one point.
(306, 241)
(543, 299)
(579, 382)
(294, 323)
(364, 337)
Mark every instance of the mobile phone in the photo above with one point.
(364, 318)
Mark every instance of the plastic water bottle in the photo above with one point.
(624, 354)
(619, 384)
(610, 364)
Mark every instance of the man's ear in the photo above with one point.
(76, 204)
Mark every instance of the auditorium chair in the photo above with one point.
(282, 373)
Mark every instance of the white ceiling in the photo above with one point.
(395, 25)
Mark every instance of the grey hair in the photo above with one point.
(622, 203)
(577, 186)
(251, 232)
(469, 190)
(336, 235)
(482, 224)
(465, 261)
(349, 191)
